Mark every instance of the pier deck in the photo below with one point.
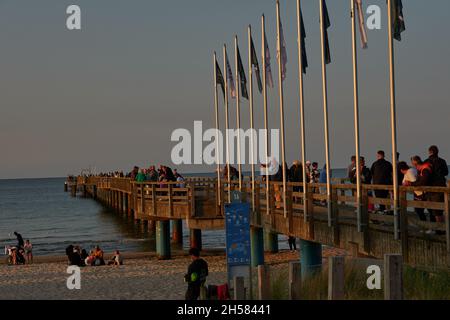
(200, 202)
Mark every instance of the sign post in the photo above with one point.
(237, 223)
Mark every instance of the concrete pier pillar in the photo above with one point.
(310, 257)
(163, 240)
(177, 231)
(271, 242)
(196, 238)
(257, 246)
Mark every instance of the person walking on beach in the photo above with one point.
(292, 244)
(438, 179)
(196, 275)
(28, 251)
(381, 175)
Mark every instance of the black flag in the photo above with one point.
(242, 77)
(255, 64)
(303, 45)
(326, 25)
(219, 79)
(398, 23)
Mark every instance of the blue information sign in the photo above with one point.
(238, 234)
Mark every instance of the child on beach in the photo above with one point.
(28, 251)
(116, 260)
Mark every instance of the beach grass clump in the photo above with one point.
(417, 284)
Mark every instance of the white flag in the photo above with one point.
(230, 79)
(269, 78)
(362, 26)
(283, 53)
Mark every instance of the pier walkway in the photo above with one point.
(200, 201)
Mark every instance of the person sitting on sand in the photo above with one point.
(29, 251)
(98, 254)
(116, 260)
(89, 261)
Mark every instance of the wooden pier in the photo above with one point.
(372, 235)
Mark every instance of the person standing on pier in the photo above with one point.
(439, 174)
(382, 175)
(196, 275)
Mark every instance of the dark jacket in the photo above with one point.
(296, 174)
(381, 172)
(366, 176)
(197, 272)
(424, 176)
(440, 171)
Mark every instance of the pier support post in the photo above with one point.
(257, 246)
(196, 238)
(163, 240)
(94, 192)
(271, 242)
(177, 231)
(393, 277)
(151, 227)
(66, 187)
(125, 203)
(310, 257)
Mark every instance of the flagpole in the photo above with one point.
(216, 108)
(266, 118)
(325, 112)
(250, 75)
(302, 111)
(227, 121)
(280, 88)
(393, 119)
(356, 115)
(238, 110)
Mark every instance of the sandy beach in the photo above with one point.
(141, 277)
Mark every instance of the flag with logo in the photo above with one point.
(230, 78)
(326, 24)
(362, 26)
(269, 77)
(255, 64)
(242, 78)
(398, 23)
(219, 78)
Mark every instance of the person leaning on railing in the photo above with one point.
(439, 173)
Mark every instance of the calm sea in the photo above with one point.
(41, 211)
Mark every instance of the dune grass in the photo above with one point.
(418, 284)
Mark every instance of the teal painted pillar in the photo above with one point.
(196, 238)
(271, 242)
(177, 231)
(257, 246)
(163, 240)
(310, 257)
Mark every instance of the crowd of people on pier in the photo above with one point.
(431, 172)
(78, 256)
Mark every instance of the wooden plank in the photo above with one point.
(295, 280)
(170, 201)
(336, 278)
(404, 225)
(447, 225)
(239, 288)
(393, 277)
(263, 282)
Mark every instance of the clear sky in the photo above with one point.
(111, 94)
